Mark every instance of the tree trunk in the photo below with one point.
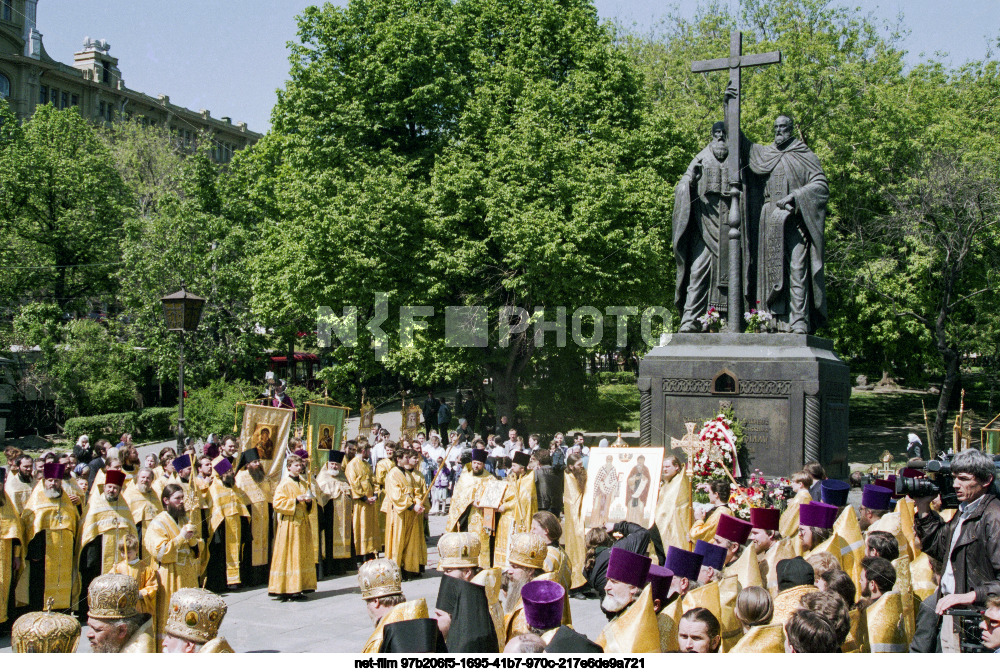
(952, 377)
(505, 392)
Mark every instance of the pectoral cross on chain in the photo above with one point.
(735, 63)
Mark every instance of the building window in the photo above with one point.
(106, 72)
(54, 98)
(43, 94)
(8, 10)
(4, 87)
(74, 100)
(64, 102)
(100, 110)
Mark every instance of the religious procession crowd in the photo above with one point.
(139, 552)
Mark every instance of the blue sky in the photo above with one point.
(230, 56)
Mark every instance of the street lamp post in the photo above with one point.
(182, 312)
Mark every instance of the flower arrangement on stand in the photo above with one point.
(704, 468)
(757, 493)
(758, 321)
(711, 321)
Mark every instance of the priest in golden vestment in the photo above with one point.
(668, 616)
(381, 585)
(11, 541)
(258, 493)
(706, 523)
(193, 627)
(634, 628)
(674, 517)
(402, 511)
(116, 623)
(167, 472)
(769, 546)
(184, 476)
(740, 571)
(418, 537)
(382, 469)
(293, 565)
(228, 521)
(49, 523)
(526, 563)
(789, 524)
(20, 483)
(365, 522)
(574, 486)
(465, 515)
(143, 502)
(795, 578)
(173, 543)
(107, 521)
(520, 503)
(146, 575)
(333, 497)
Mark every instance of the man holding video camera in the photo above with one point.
(968, 546)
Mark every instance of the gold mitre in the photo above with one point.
(458, 550)
(527, 550)
(195, 614)
(380, 578)
(45, 632)
(113, 596)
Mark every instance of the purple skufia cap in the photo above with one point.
(301, 453)
(835, 492)
(628, 567)
(713, 556)
(659, 579)
(479, 455)
(212, 451)
(683, 563)
(181, 462)
(223, 466)
(817, 514)
(876, 497)
(543, 604)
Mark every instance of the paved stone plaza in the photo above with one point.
(334, 618)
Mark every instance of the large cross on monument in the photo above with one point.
(735, 63)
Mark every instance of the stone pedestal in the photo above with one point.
(789, 391)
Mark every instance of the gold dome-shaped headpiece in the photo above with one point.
(527, 550)
(195, 614)
(45, 632)
(619, 442)
(113, 596)
(380, 578)
(458, 550)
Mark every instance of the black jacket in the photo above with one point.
(976, 556)
(636, 539)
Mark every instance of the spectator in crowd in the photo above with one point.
(444, 416)
(82, 450)
(818, 474)
(809, 632)
(430, 409)
(699, 632)
(968, 545)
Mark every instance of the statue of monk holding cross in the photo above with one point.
(767, 249)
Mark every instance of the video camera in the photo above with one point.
(940, 481)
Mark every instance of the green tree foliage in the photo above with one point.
(63, 210)
(82, 366)
(470, 153)
(177, 234)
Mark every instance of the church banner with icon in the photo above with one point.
(622, 484)
(324, 431)
(266, 429)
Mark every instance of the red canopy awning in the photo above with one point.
(299, 357)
